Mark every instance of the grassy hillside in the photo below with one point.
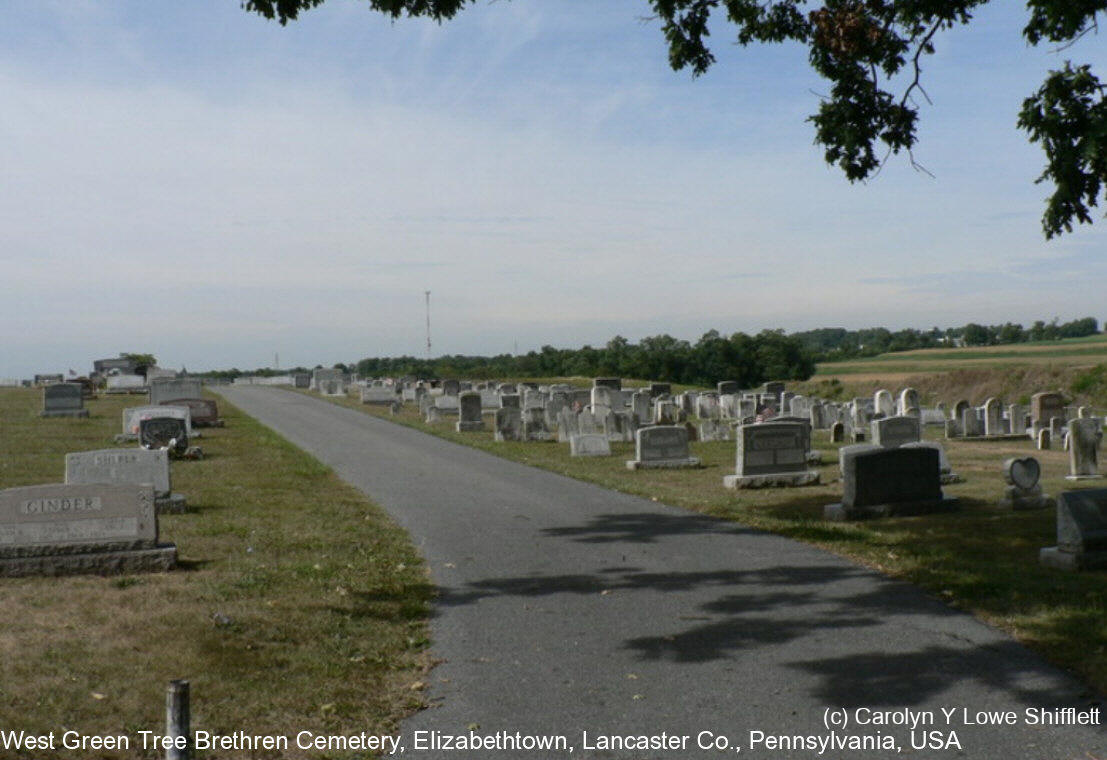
(1076, 367)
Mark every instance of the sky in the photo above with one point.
(193, 181)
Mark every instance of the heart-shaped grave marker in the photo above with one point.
(1023, 473)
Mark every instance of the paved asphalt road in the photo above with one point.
(566, 608)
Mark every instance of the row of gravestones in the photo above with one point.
(897, 473)
(103, 518)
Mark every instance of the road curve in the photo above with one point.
(565, 608)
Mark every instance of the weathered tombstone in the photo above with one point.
(59, 529)
(971, 427)
(163, 389)
(953, 429)
(665, 412)
(446, 405)
(602, 400)
(202, 412)
(378, 395)
(126, 384)
(469, 407)
(63, 400)
(1044, 407)
(301, 380)
(727, 387)
(566, 425)
(615, 383)
(889, 482)
(1081, 532)
(511, 401)
(714, 430)
(991, 417)
(772, 454)
(1083, 411)
(451, 387)
(891, 432)
(534, 426)
(1056, 428)
(509, 424)
(883, 404)
(1017, 419)
(850, 450)
(817, 416)
(837, 433)
(640, 406)
(661, 447)
(589, 445)
(134, 466)
(660, 389)
(959, 410)
(163, 433)
(1084, 437)
(1044, 439)
(1023, 491)
(774, 389)
(908, 402)
(945, 470)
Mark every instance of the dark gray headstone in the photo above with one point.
(63, 400)
(888, 482)
(469, 412)
(204, 412)
(661, 446)
(163, 432)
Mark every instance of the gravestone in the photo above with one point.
(772, 454)
(945, 471)
(202, 412)
(134, 415)
(1017, 419)
(534, 426)
(379, 395)
(615, 383)
(890, 482)
(164, 433)
(60, 529)
(883, 404)
(727, 387)
(714, 430)
(446, 405)
(1044, 407)
(660, 389)
(953, 429)
(971, 426)
(837, 433)
(126, 384)
(589, 445)
(816, 414)
(509, 424)
(1083, 446)
(450, 387)
(133, 466)
(891, 432)
(63, 400)
(566, 425)
(469, 409)
(301, 380)
(640, 406)
(163, 389)
(661, 447)
(959, 410)
(511, 401)
(1045, 439)
(604, 400)
(1023, 491)
(991, 417)
(665, 412)
(848, 451)
(908, 402)
(1081, 532)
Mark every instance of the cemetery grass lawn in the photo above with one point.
(297, 605)
(981, 559)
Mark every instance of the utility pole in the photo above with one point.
(428, 295)
(276, 361)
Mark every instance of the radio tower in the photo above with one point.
(428, 295)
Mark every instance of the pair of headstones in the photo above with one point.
(126, 466)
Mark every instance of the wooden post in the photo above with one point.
(177, 721)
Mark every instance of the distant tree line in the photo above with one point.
(834, 343)
(750, 360)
